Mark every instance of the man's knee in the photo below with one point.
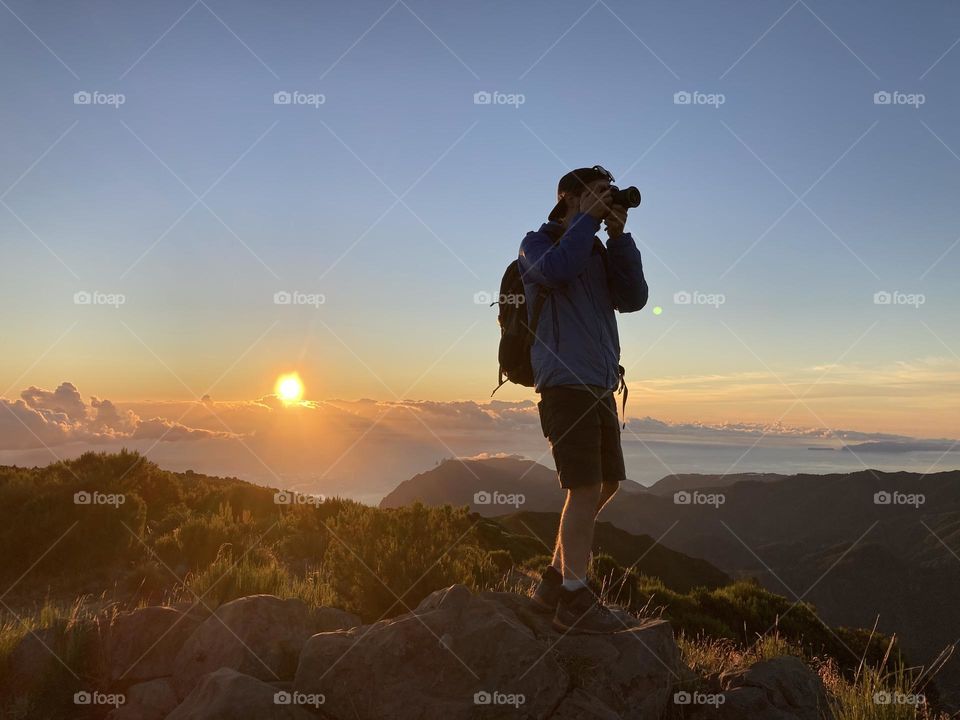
(608, 490)
(584, 496)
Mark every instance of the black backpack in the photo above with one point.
(517, 333)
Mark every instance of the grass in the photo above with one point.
(872, 692)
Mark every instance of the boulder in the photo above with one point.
(228, 695)
(578, 705)
(143, 644)
(32, 659)
(629, 672)
(783, 688)
(258, 635)
(150, 700)
(466, 655)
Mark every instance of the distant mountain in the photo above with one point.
(670, 484)
(490, 486)
(677, 571)
(857, 545)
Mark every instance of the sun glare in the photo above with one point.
(289, 388)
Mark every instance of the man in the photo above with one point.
(576, 364)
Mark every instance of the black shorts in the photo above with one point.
(584, 435)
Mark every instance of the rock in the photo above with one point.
(259, 635)
(228, 695)
(143, 644)
(31, 659)
(578, 705)
(782, 688)
(150, 700)
(459, 650)
(630, 672)
(326, 619)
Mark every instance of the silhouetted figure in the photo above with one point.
(576, 368)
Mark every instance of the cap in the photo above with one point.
(574, 182)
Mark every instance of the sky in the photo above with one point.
(799, 228)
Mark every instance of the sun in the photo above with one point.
(289, 388)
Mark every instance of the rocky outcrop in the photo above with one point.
(143, 644)
(259, 635)
(459, 655)
(465, 655)
(151, 700)
(226, 694)
(782, 688)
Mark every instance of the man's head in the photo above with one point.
(572, 185)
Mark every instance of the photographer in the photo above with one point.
(576, 367)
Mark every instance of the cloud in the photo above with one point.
(23, 427)
(65, 399)
(363, 448)
(45, 419)
(110, 419)
(162, 429)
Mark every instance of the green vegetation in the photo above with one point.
(185, 537)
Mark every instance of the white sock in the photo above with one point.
(572, 585)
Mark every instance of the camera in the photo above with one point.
(628, 197)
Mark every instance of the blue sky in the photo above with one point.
(305, 198)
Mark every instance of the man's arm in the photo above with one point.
(556, 264)
(628, 287)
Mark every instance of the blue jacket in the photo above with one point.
(577, 340)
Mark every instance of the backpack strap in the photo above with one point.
(625, 391)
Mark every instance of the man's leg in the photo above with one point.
(607, 491)
(576, 532)
(577, 606)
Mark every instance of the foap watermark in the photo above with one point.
(84, 497)
(896, 97)
(685, 97)
(895, 297)
(286, 497)
(686, 497)
(482, 97)
(95, 297)
(86, 697)
(683, 697)
(498, 498)
(284, 297)
(894, 497)
(885, 697)
(695, 297)
(296, 97)
(95, 97)
(499, 698)
(485, 298)
(283, 697)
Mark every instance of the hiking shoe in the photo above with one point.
(547, 594)
(580, 611)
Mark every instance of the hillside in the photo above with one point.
(88, 543)
(490, 487)
(677, 571)
(668, 485)
(819, 537)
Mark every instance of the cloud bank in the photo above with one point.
(363, 448)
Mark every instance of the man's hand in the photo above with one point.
(615, 221)
(595, 204)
